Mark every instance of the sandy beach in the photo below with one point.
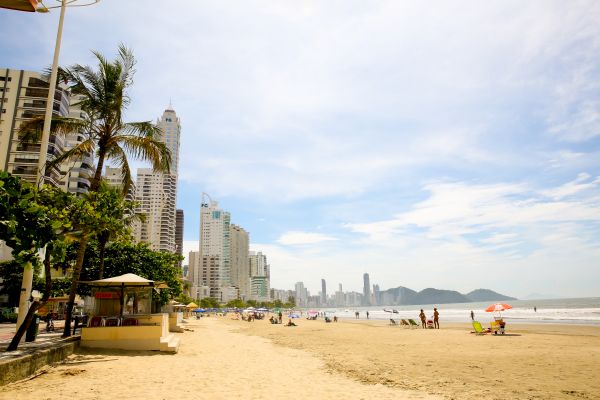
(222, 359)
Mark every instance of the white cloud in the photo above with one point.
(582, 182)
(294, 238)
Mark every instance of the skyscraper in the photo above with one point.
(323, 292)
(259, 276)
(157, 192)
(366, 290)
(240, 264)
(179, 223)
(23, 96)
(215, 250)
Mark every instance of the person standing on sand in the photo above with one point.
(357, 315)
(367, 315)
(422, 316)
(436, 319)
(280, 315)
(472, 316)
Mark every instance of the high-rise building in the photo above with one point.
(259, 276)
(179, 221)
(23, 96)
(301, 294)
(215, 249)
(323, 292)
(240, 263)
(366, 290)
(77, 173)
(156, 192)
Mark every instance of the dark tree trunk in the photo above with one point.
(36, 305)
(76, 274)
(102, 241)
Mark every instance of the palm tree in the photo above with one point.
(102, 96)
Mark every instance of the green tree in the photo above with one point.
(31, 219)
(237, 303)
(139, 259)
(104, 97)
(209, 302)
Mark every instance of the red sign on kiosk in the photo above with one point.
(106, 295)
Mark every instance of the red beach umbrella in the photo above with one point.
(498, 307)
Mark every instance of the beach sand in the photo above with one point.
(221, 358)
(213, 363)
(529, 362)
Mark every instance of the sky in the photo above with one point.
(446, 144)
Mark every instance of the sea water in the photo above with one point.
(584, 311)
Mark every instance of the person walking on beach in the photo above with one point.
(472, 316)
(357, 315)
(367, 315)
(280, 315)
(534, 309)
(436, 319)
(422, 316)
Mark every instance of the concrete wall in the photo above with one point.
(25, 366)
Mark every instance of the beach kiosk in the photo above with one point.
(175, 311)
(121, 316)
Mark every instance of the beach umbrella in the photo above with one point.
(262, 309)
(498, 307)
(294, 315)
(199, 310)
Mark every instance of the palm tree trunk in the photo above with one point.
(82, 246)
(98, 174)
(36, 305)
(76, 274)
(102, 241)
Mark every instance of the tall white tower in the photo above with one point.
(215, 250)
(156, 192)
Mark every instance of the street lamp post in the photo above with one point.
(34, 5)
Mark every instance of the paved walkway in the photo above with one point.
(44, 340)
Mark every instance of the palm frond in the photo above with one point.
(147, 149)
(117, 154)
(83, 149)
(31, 131)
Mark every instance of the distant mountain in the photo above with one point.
(405, 296)
(437, 296)
(487, 295)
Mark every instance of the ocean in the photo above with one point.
(585, 311)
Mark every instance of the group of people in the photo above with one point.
(357, 314)
(436, 319)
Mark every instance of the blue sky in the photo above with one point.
(448, 144)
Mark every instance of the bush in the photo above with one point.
(9, 317)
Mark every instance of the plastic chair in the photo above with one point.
(478, 328)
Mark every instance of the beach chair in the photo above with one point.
(412, 323)
(131, 322)
(111, 321)
(393, 322)
(478, 328)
